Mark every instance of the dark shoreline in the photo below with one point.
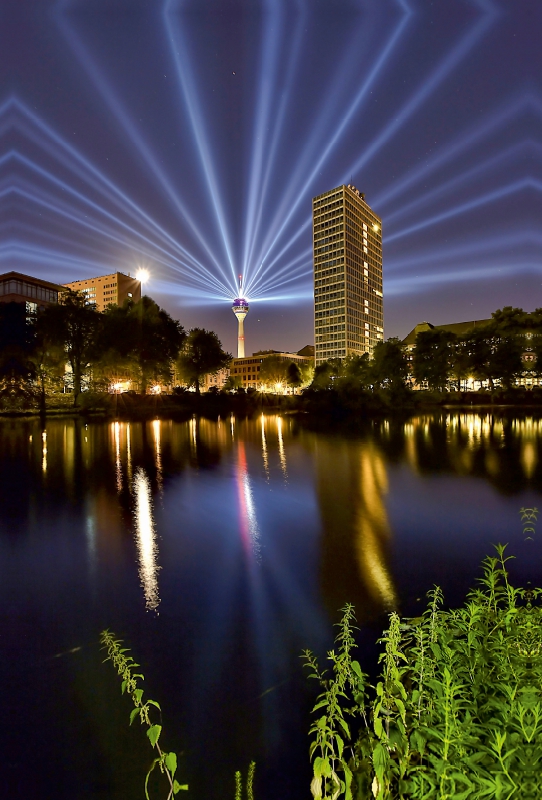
(327, 404)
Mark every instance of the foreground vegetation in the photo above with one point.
(456, 711)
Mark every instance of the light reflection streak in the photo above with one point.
(372, 527)
(44, 451)
(118, 463)
(282, 452)
(248, 523)
(158, 449)
(472, 439)
(91, 544)
(193, 431)
(146, 539)
(264, 450)
(128, 453)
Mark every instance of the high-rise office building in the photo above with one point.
(347, 247)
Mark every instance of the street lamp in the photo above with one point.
(142, 275)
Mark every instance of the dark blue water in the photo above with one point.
(218, 551)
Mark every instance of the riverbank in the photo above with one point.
(329, 403)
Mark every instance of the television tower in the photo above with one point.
(240, 309)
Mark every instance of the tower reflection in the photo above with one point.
(248, 524)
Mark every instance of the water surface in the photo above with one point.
(219, 550)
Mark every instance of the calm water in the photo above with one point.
(218, 551)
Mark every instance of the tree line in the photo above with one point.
(497, 353)
(71, 342)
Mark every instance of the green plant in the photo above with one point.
(249, 783)
(456, 711)
(125, 666)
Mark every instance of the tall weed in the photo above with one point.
(456, 711)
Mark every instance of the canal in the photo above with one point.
(219, 550)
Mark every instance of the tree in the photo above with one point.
(232, 382)
(509, 320)
(201, 355)
(460, 360)
(48, 357)
(73, 325)
(16, 340)
(274, 371)
(432, 360)
(389, 367)
(154, 341)
(116, 352)
(326, 373)
(506, 362)
(293, 376)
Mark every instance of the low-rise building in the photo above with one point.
(248, 369)
(107, 289)
(529, 333)
(35, 292)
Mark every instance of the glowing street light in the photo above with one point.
(142, 275)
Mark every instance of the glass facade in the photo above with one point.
(348, 298)
(27, 289)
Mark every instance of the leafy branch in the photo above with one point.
(125, 665)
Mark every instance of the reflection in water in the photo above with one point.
(264, 450)
(351, 483)
(118, 465)
(44, 451)
(146, 539)
(282, 454)
(193, 437)
(373, 528)
(502, 449)
(159, 477)
(128, 453)
(248, 524)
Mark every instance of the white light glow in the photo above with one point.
(146, 540)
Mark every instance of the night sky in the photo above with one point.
(189, 138)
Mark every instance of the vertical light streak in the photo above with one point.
(146, 540)
(91, 544)
(104, 86)
(373, 528)
(158, 450)
(471, 138)
(248, 523)
(232, 426)
(264, 450)
(128, 453)
(118, 464)
(446, 66)
(282, 452)
(44, 451)
(178, 45)
(490, 197)
(289, 204)
(193, 429)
